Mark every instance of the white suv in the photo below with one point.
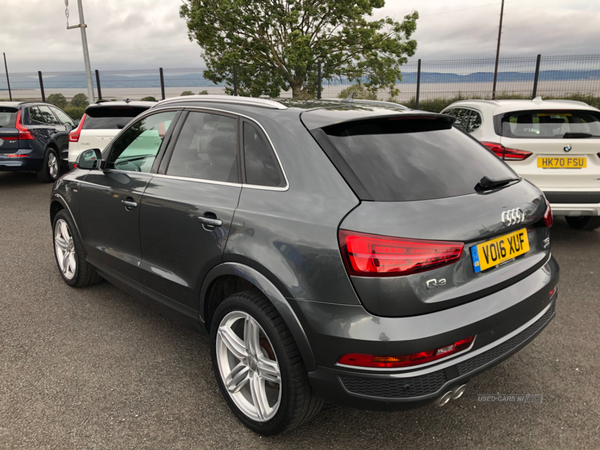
(554, 144)
(101, 122)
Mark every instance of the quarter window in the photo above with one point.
(261, 165)
(35, 115)
(206, 149)
(137, 148)
(48, 117)
(474, 121)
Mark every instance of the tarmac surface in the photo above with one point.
(95, 369)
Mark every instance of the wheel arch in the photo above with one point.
(230, 277)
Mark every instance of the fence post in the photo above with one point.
(235, 81)
(418, 84)
(7, 79)
(537, 76)
(162, 83)
(42, 85)
(319, 80)
(98, 85)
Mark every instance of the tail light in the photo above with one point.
(507, 154)
(369, 255)
(74, 135)
(548, 217)
(24, 133)
(388, 362)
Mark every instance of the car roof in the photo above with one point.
(121, 104)
(502, 106)
(17, 104)
(315, 113)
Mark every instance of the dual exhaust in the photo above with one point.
(453, 394)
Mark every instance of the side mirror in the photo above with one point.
(89, 159)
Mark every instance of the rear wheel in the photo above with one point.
(69, 253)
(51, 167)
(584, 222)
(258, 367)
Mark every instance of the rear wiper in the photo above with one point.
(578, 135)
(485, 184)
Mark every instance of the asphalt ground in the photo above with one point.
(95, 369)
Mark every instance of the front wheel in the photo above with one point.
(583, 222)
(258, 367)
(50, 168)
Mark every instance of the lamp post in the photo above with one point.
(498, 52)
(86, 54)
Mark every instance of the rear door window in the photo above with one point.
(63, 117)
(206, 148)
(549, 124)
(110, 118)
(396, 159)
(48, 116)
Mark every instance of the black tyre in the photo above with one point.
(584, 222)
(258, 367)
(50, 170)
(69, 253)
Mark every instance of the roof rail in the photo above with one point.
(351, 100)
(250, 101)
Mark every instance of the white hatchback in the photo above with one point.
(100, 123)
(554, 144)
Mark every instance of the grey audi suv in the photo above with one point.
(351, 252)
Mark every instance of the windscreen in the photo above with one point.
(400, 159)
(110, 118)
(551, 124)
(8, 117)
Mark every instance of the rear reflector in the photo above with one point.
(548, 217)
(74, 135)
(387, 362)
(507, 154)
(370, 255)
(24, 133)
(17, 155)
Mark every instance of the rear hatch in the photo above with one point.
(429, 234)
(561, 147)
(9, 134)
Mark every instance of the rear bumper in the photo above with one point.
(20, 164)
(503, 323)
(574, 203)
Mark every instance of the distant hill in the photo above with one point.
(193, 78)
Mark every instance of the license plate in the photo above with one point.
(496, 251)
(562, 162)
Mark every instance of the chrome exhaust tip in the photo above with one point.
(459, 391)
(444, 399)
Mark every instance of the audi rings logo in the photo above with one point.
(513, 216)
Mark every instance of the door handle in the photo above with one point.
(129, 203)
(209, 221)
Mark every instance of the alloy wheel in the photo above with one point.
(248, 366)
(53, 165)
(64, 247)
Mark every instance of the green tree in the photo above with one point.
(276, 44)
(359, 92)
(80, 101)
(186, 93)
(149, 99)
(57, 100)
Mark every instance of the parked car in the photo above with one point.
(101, 122)
(335, 251)
(555, 144)
(34, 137)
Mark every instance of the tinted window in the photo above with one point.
(48, 116)
(261, 165)
(411, 159)
(137, 147)
(474, 121)
(110, 118)
(206, 148)
(63, 117)
(35, 116)
(8, 117)
(551, 124)
(462, 118)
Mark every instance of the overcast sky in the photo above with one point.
(146, 34)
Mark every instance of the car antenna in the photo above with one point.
(127, 100)
(349, 99)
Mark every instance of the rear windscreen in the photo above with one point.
(551, 124)
(409, 159)
(110, 118)
(8, 117)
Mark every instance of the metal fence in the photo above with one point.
(553, 76)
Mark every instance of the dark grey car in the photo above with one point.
(349, 252)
